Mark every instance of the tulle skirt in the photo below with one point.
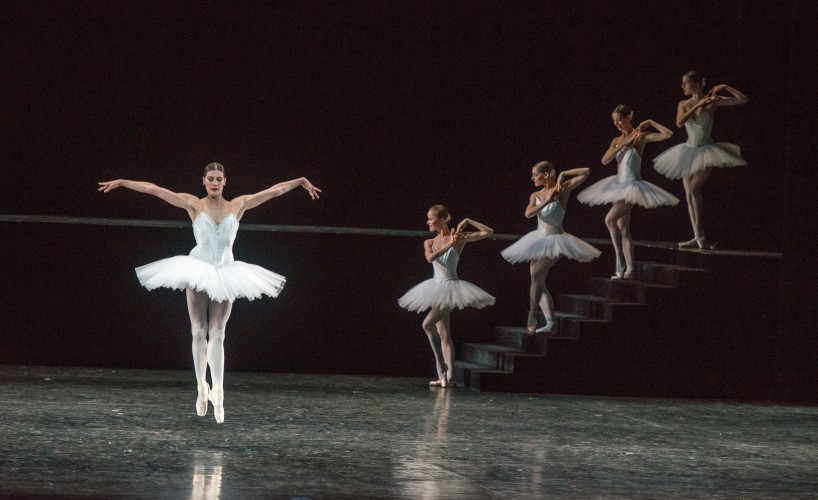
(611, 190)
(683, 160)
(535, 245)
(228, 282)
(446, 295)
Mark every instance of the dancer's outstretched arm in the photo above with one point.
(248, 201)
(736, 97)
(181, 200)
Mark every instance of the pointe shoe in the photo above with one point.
(448, 383)
(443, 368)
(706, 245)
(689, 244)
(531, 326)
(546, 329)
(218, 407)
(201, 402)
(628, 275)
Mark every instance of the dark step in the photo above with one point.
(467, 373)
(493, 355)
(591, 306)
(625, 290)
(668, 274)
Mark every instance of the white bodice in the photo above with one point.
(549, 218)
(629, 165)
(214, 242)
(698, 129)
(445, 266)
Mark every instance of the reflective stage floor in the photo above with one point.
(134, 433)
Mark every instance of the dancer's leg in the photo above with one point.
(197, 303)
(624, 225)
(539, 294)
(695, 205)
(618, 210)
(217, 320)
(429, 327)
(446, 344)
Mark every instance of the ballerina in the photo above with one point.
(693, 161)
(445, 291)
(212, 280)
(543, 247)
(626, 188)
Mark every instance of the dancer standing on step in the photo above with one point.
(693, 161)
(210, 277)
(445, 291)
(543, 247)
(626, 188)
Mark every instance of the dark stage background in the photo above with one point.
(389, 107)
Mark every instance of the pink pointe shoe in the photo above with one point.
(201, 401)
(218, 407)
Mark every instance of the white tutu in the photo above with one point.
(683, 160)
(611, 190)
(449, 294)
(227, 282)
(535, 245)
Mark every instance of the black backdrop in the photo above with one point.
(389, 107)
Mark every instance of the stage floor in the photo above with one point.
(134, 433)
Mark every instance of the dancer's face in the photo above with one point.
(433, 222)
(539, 178)
(214, 182)
(689, 86)
(621, 122)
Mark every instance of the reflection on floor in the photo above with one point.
(89, 432)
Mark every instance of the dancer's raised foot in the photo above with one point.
(531, 324)
(217, 398)
(201, 400)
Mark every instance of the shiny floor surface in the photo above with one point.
(134, 433)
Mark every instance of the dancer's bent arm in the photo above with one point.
(568, 180)
(736, 96)
(483, 231)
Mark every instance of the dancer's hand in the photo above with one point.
(715, 90)
(634, 136)
(109, 185)
(461, 226)
(312, 190)
(706, 101)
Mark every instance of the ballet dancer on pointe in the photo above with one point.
(626, 188)
(693, 161)
(210, 277)
(445, 291)
(543, 247)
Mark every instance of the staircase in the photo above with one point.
(622, 337)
